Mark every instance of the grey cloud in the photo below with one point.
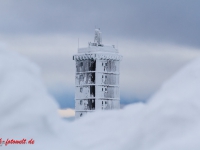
(169, 21)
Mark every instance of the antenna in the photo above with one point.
(78, 43)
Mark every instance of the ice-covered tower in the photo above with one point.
(97, 77)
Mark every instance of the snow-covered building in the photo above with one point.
(97, 77)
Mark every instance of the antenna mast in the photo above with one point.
(78, 43)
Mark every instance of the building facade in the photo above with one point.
(97, 77)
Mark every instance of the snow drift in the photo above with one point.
(26, 110)
(170, 120)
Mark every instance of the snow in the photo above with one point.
(26, 109)
(170, 120)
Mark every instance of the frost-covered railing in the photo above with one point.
(91, 49)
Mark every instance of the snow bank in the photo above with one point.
(26, 110)
(169, 121)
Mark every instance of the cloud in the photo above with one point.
(170, 21)
(66, 112)
(144, 67)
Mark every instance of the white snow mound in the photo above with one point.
(26, 109)
(169, 121)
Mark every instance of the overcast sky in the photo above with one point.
(166, 20)
(155, 37)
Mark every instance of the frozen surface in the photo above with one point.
(170, 120)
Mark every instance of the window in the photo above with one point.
(81, 102)
(102, 64)
(102, 89)
(102, 102)
(81, 77)
(81, 89)
(81, 115)
(106, 90)
(81, 64)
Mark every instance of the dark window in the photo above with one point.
(106, 89)
(92, 91)
(81, 89)
(93, 77)
(93, 104)
(92, 65)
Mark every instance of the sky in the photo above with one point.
(156, 39)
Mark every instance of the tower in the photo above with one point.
(97, 77)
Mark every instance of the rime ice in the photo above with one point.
(97, 77)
